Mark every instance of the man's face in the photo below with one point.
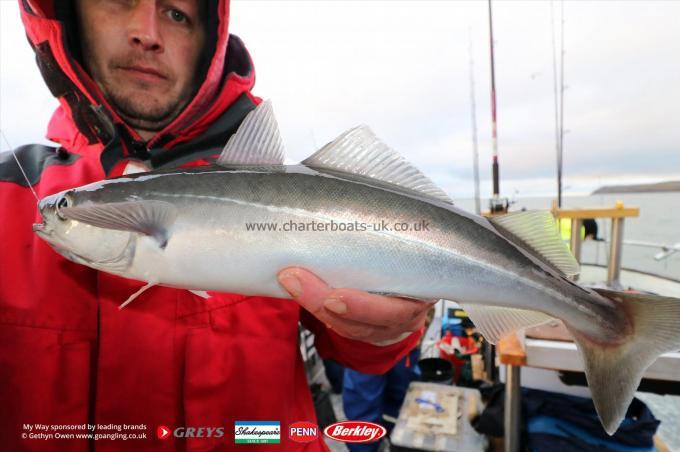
(143, 54)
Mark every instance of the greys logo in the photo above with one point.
(191, 432)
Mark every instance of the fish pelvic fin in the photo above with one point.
(134, 296)
(614, 371)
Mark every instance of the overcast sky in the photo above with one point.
(403, 68)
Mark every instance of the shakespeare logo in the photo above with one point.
(257, 432)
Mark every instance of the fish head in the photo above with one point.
(97, 247)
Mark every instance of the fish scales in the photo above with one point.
(216, 203)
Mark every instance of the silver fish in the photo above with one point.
(222, 228)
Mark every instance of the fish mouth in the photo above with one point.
(116, 265)
(44, 233)
(41, 231)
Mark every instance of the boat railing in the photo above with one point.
(617, 215)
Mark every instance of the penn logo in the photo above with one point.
(355, 432)
(303, 432)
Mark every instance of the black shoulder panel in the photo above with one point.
(210, 142)
(34, 158)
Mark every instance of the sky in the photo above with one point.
(403, 68)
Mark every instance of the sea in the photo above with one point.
(658, 223)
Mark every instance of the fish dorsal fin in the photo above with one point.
(152, 218)
(536, 229)
(497, 322)
(256, 142)
(359, 152)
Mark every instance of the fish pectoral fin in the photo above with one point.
(256, 142)
(152, 218)
(495, 322)
(359, 152)
(537, 231)
(614, 371)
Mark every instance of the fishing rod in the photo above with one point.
(473, 114)
(496, 204)
(561, 146)
(558, 152)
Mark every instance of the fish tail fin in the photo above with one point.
(614, 372)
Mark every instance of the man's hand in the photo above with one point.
(353, 313)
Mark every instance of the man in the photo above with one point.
(370, 397)
(154, 84)
(378, 398)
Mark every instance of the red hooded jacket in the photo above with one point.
(68, 356)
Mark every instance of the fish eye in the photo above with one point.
(63, 202)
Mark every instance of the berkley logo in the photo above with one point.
(303, 432)
(355, 432)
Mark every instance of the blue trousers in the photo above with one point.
(367, 397)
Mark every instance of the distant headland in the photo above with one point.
(639, 188)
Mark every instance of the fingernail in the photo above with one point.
(335, 305)
(291, 283)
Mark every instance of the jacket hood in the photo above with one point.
(227, 74)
